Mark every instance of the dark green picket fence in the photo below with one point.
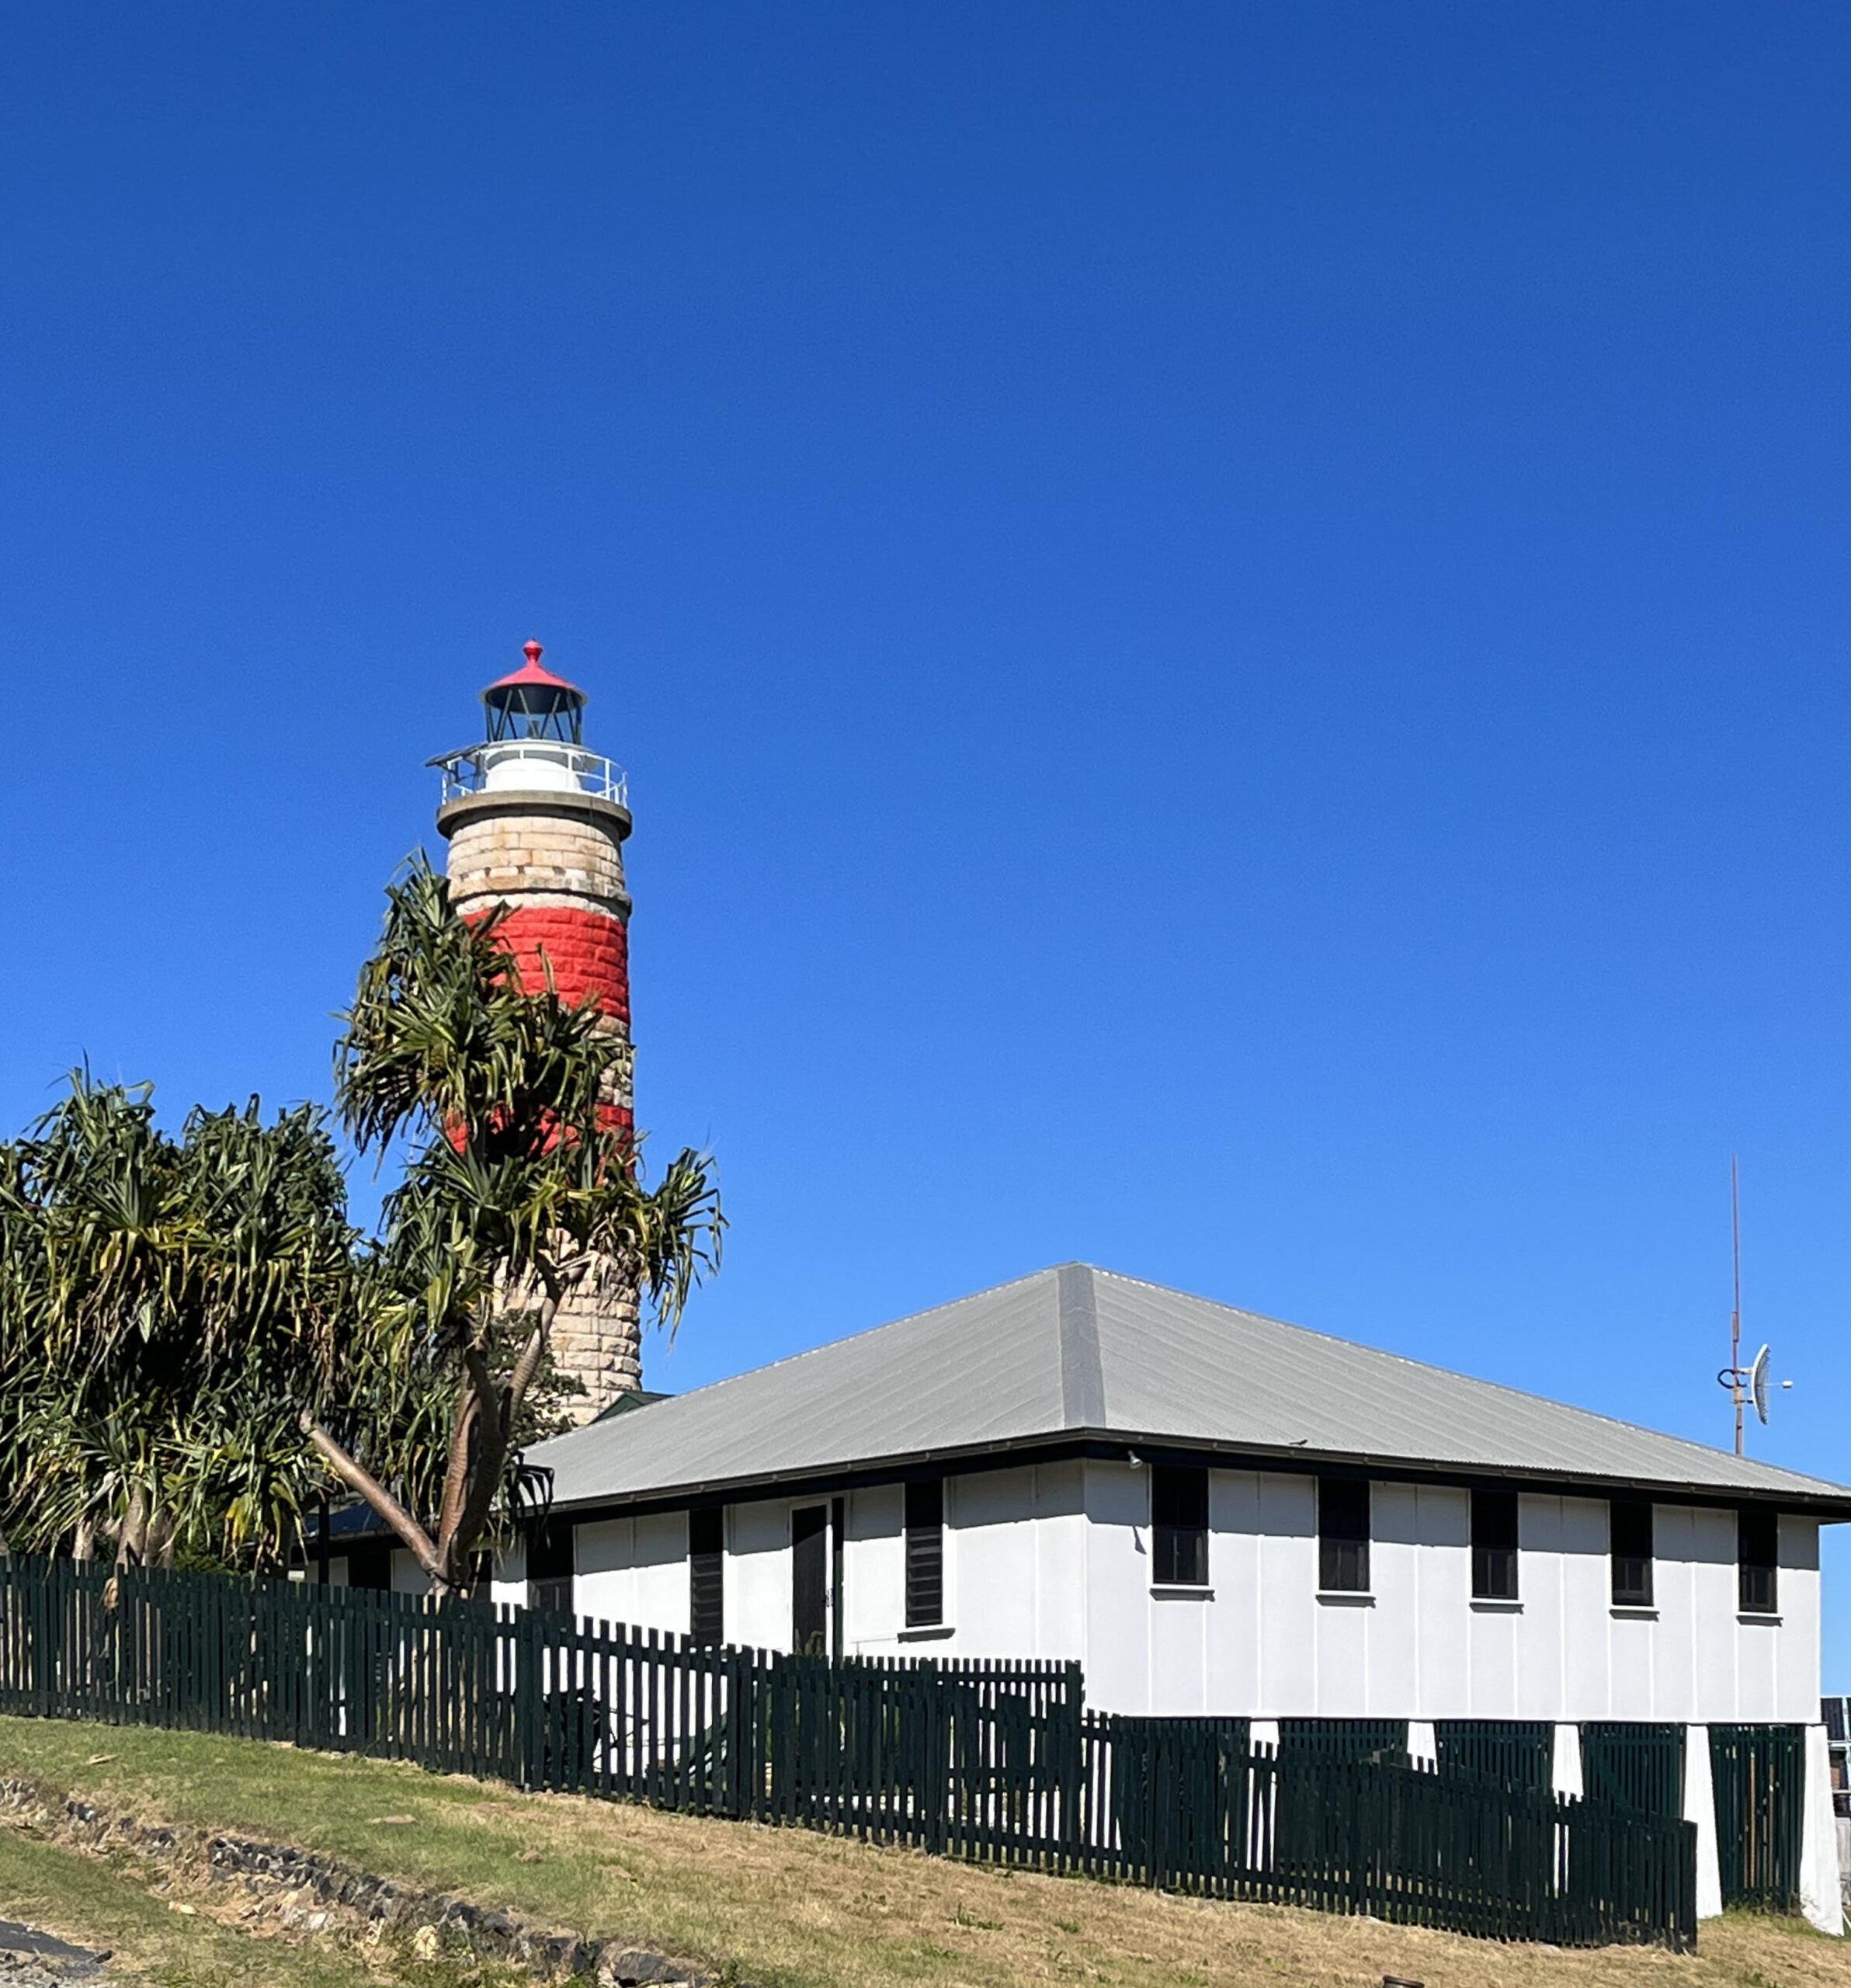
(1186, 1803)
(1519, 1751)
(1759, 1773)
(998, 1762)
(1632, 1766)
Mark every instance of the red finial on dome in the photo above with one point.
(531, 673)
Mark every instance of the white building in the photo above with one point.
(1218, 1514)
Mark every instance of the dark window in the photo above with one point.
(707, 1574)
(369, 1565)
(1630, 1536)
(809, 1580)
(1495, 1545)
(1757, 1558)
(550, 1569)
(924, 1553)
(1343, 1535)
(1179, 1527)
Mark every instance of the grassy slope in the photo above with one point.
(110, 1907)
(788, 1907)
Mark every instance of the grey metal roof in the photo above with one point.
(1075, 1353)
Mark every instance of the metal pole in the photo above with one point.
(1735, 1315)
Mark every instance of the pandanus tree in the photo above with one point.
(519, 1182)
(165, 1305)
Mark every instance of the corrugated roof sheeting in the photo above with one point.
(981, 1370)
(1076, 1350)
(1183, 1367)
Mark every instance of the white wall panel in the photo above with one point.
(1673, 1651)
(1444, 1651)
(1288, 1618)
(874, 1571)
(1629, 1654)
(1713, 1688)
(756, 1603)
(1757, 1669)
(1061, 1578)
(1392, 1628)
(1231, 1631)
(1118, 1588)
(1536, 1635)
(1340, 1678)
(1494, 1638)
(1798, 1668)
(635, 1571)
(991, 1564)
(1586, 1584)
(1015, 1563)
(408, 1576)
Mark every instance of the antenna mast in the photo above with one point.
(1748, 1384)
(1735, 1315)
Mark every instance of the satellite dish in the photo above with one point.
(1758, 1383)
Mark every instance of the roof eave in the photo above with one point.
(1831, 1509)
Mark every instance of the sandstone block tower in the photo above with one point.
(536, 822)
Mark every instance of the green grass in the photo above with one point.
(784, 1908)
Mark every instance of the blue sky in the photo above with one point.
(1227, 623)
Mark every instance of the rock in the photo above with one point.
(639, 1967)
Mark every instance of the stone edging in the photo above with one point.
(315, 1894)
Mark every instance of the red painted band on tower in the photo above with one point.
(589, 952)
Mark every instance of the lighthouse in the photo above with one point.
(536, 822)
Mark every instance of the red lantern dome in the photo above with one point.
(532, 703)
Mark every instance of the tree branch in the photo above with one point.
(472, 1404)
(528, 1365)
(497, 1432)
(357, 1478)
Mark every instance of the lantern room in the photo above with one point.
(534, 745)
(532, 703)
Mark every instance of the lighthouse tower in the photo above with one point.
(535, 822)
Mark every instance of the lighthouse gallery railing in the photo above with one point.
(468, 771)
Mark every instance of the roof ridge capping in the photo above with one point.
(1082, 1370)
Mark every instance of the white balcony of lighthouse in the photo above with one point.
(532, 766)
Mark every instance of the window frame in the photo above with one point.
(1342, 1537)
(925, 1530)
(1497, 1545)
(1179, 1525)
(1630, 1570)
(707, 1574)
(1758, 1580)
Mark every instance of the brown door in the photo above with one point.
(809, 1580)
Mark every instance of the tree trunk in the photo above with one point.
(131, 1534)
